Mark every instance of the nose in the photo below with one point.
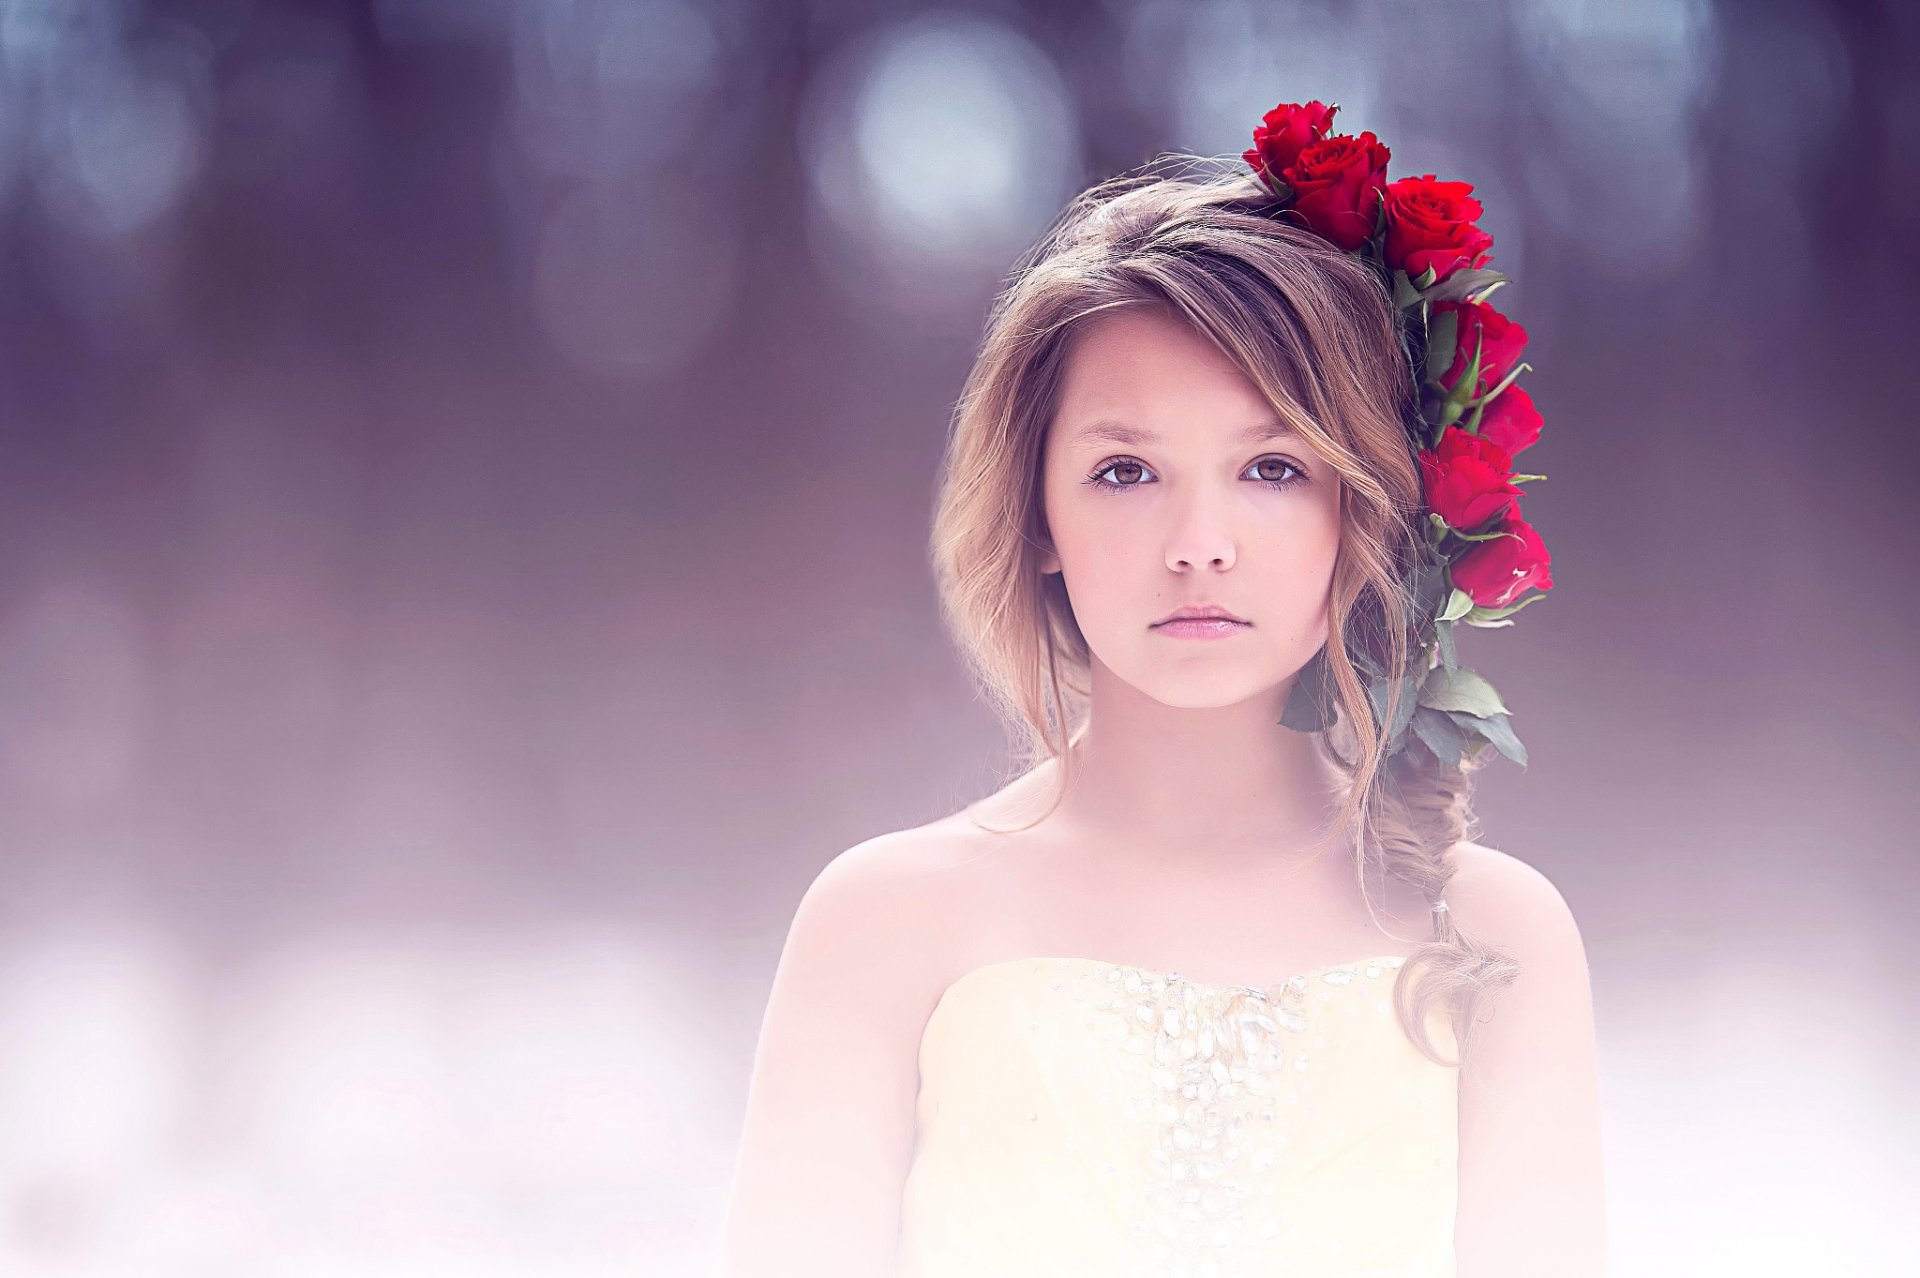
(1200, 537)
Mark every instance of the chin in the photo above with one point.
(1191, 701)
(1197, 689)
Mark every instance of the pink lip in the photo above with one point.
(1201, 627)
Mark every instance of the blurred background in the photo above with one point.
(466, 471)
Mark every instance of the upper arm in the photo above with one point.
(829, 1124)
(1532, 1196)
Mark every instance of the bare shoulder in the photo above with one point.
(913, 868)
(863, 937)
(829, 1127)
(909, 855)
(895, 900)
(1511, 904)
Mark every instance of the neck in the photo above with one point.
(1219, 784)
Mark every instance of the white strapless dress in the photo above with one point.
(1079, 1117)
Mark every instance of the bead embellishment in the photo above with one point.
(1212, 1061)
(1212, 1092)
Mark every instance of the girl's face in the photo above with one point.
(1169, 482)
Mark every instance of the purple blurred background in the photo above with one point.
(467, 466)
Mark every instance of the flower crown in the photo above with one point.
(1478, 557)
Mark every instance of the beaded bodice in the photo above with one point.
(1084, 1117)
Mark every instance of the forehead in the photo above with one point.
(1135, 377)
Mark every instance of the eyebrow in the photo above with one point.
(1107, 431)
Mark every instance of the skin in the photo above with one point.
(1192, 803)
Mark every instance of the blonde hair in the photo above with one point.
(1315, 330)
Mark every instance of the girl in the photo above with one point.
(1217, 984)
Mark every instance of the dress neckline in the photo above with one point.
(1155, 974)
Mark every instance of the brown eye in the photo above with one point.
(1280, 464)
(1118, 464)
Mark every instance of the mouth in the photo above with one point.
(1202, 614)
(1208, 627)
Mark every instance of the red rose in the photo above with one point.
(1282, 133)
(1510, 420)
(1468, 479)
(1503, 341)
(1337, 183)
(1495, 572)
(1430, 223)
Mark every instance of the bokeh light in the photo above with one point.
(932, 148)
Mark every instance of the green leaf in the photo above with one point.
(1406, 292)
(1428, 587)
(1506, 381)
(1459, 603)
(1483, 294)
(1272, 181)
(1481, 616)
(1461, 689)
(1403, 712)
(1405, 295)
(1440, 734)
(1485, 536)
(1462, 393)
(1523, 479)
(1306, 711)
(1463, 284)
(1443, 335)
(1443, 634)
(1363, 662)
(1497, 729)
(1377, 694)
(1409, 702)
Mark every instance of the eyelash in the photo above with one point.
(1108, 486)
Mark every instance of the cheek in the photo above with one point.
(1315, 536)
(1077, 520)
(1296, 570)
(1317, 546)
(1101, 547)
